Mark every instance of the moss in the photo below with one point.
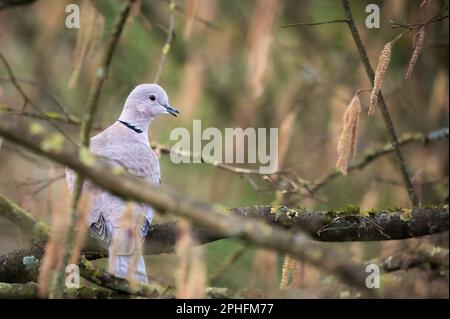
(435, 206)
(37, 128)
(117, 170)
(405, 214)
(52, 115)
(331, 212)
(351, 210)
(283, 211)
(86, 157)
(22, 291)
(327, 221)
(41, 231)
(55, 142)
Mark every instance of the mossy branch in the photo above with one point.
(348, 224)
(13, 265)
(430, 258)
(29, 290)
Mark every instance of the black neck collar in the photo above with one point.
(131, 127)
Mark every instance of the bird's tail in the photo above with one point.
(125, 257)
(122, 266)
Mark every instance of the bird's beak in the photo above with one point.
(171, 110)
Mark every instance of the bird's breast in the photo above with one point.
(138, 158)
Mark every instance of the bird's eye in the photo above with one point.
(152, 97)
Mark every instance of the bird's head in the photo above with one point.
(148, 101)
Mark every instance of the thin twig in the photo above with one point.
(27, 100)
(166, 48)
(199, 19)
(148, 26)
(303, 24)
(373, 155)
(415, 26)
(45, 116)
(49, 94)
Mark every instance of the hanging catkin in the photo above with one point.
(346, 147)
(383, 62)
(419, 38)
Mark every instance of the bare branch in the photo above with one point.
(303, 24)
(199, 19)
(166, 48)
(45, 116)
(27, 100)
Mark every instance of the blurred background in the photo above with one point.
(231, 64)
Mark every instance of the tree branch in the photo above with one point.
(373, 155)
(349, 224)
(11, 3)
(14, 268)
(209, 216)
(29, 290)
(166, 48)
(22, 265)
(429, 257)
(383, 107)
(13, 271)
(307, 24)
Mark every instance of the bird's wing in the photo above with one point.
(136, 157)
(139, 159)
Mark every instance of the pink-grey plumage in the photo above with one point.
(126, 143)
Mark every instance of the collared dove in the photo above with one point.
(126, 143)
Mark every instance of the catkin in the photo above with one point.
(260, 43)
(191, 9)
(54, 248)
(419, 38)
(136, 228)
(286, 130)
(346, 147)
(264, 271)
(88, 37)
(383, 62)
(289, 272)
(84, 207)
(190, 275)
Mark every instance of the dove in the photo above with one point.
(126, 143)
